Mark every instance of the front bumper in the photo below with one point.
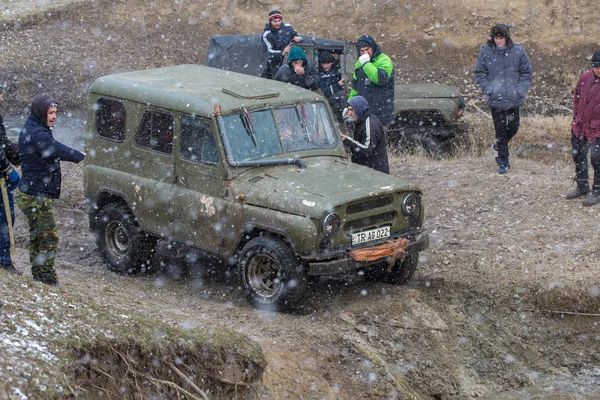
(344, 262)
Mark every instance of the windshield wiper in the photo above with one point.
(247, 123)
(301, 112)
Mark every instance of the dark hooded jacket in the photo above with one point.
(40, 154)
(286, 73)
(374, 81)
(368, 146)
(503, 74)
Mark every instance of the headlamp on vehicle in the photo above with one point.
(331, 224)
(411, 204)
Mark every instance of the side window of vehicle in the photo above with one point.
(110, 119)
(156, 132)
(197, 141)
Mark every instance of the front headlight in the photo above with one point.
(331, 224)
(411, 204)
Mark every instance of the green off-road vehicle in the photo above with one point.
(249, 170)
(427, 116)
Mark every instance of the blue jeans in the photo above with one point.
(4, 237)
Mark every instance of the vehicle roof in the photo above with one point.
(196, 89)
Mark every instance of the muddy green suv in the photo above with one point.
(249, 170)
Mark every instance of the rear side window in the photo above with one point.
(110, 119)
(197, 141)
(156, 132)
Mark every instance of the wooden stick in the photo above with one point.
(481, 111)
(188, 381)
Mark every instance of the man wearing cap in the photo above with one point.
(299, 71)
(9, 158)
(40, 185)
(374, 79)
(277, 39)
(368, 146)
(331, 82)
(585, 133)
(503, 73)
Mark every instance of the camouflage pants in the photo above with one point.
(43, 236)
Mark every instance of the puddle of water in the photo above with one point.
(69, 129)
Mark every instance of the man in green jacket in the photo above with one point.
(374, 79)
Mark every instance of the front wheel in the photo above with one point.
(121, 241)
(401, 272)
(271, 274)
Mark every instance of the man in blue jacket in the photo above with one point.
(368, 146)
(40, 185)
(503, 72)
(277, 40)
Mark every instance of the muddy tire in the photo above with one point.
(271, 275)
(121, 242)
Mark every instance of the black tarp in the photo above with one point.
(245, 53)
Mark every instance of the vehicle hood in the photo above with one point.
(429, 90)
(323, 185)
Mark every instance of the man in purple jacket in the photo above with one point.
(585, 133)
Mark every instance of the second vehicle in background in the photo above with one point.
(425, 115)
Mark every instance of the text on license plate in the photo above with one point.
(373, 234)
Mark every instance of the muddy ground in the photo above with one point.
(506, 298)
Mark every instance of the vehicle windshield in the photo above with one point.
(269, 132)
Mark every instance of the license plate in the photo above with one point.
(373, 234)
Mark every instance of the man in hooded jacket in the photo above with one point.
(40, 184)
(373, 79)
(299, 71)
(503, 72)
(368, 146)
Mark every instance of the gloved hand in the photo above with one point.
(365, 58)
(12, 179)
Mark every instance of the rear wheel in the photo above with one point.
(121, 241)
(271, 274)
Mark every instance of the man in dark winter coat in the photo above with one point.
(585, 133)
(373, 79)
(331, 82)
(299, 71)
(40, 185)
(368, 146)
(277, 39)
(9, 157)
(503, 72)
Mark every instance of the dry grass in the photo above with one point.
(545, 139)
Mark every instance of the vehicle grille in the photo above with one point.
(370, 221)
(378, 202)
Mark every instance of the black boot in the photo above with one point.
(578, 192)
(593, 198)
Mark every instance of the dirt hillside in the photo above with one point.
(62, 46)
